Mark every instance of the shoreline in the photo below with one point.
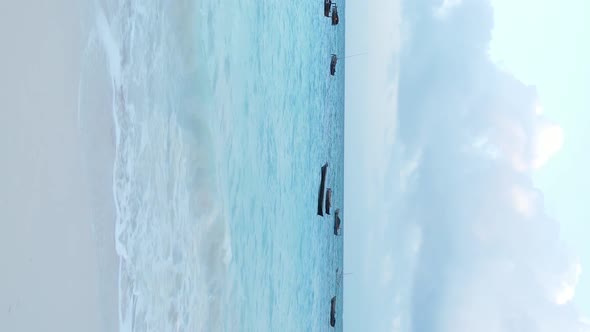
(97, 131)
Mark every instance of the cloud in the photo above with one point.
(568, 286)
(447, 5)
(549, 141)
(488, 257)
(523, 201)
(369, 140)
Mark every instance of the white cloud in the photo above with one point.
(485, 301)
(408, 169)
(568, 286)
(523, 200)
(549, 141)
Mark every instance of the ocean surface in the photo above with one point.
(224, 113)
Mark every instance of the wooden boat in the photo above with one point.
(322, 188)
(327, 6)
(337, 222)
(328, 200)
(335, 18)
(333, 312)
(333, 62)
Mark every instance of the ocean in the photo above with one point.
(224, 113)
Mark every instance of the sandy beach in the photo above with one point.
(58, 264)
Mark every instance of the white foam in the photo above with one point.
(105, 34)
(171, 233)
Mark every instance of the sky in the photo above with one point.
(465, 168)
(555, 61)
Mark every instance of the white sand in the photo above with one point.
(55, 275)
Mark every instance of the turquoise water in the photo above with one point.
(224, 114)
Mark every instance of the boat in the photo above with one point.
(335, 18)
(337, 222)
(321, 192)
(327, 6)
(333, 61)
(328, 200)
(333, 312)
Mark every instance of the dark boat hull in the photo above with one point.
(333, 312)
(322, 188)
(335, 17)
(327, 5)
(328, 200)
(333, 61)
(336, 222)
